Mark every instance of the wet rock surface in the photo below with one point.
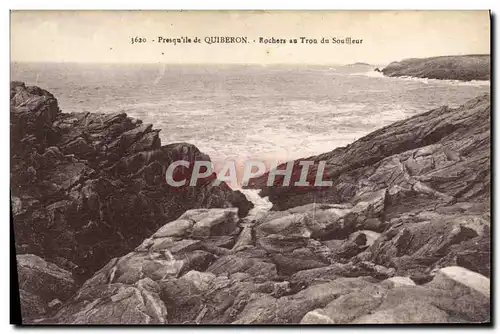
(402, 236)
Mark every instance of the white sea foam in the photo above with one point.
(261, 204)
(375, 74)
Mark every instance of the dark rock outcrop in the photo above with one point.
(465, 68)
(87, 187)
(177, 279)
(402, 236)
(436, 158)
(423, 183)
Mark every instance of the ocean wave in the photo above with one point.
(475, 83)
(371, 74)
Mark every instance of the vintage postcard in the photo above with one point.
(251, 167)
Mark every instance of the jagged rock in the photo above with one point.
(474, 254)
(178, 265)
(31, 111)
(261, 309)
(291, 254)
(242, 288)
(161, 257)
(299, 259)
(132, 267)
(211, 224)
(414, 247)
(90, 186)
(37, 275)
(406, 200)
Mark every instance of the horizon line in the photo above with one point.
(188, 63)
(234, 63)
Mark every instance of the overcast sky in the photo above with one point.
(100, 36)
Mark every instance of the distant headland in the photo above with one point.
(464, 68)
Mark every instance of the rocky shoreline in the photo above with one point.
(402, 236)
(464, 68)
(86, 187)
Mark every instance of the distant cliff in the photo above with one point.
(465, 68)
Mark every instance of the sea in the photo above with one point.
(240, 112)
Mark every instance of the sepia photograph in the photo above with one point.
(251, 167)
